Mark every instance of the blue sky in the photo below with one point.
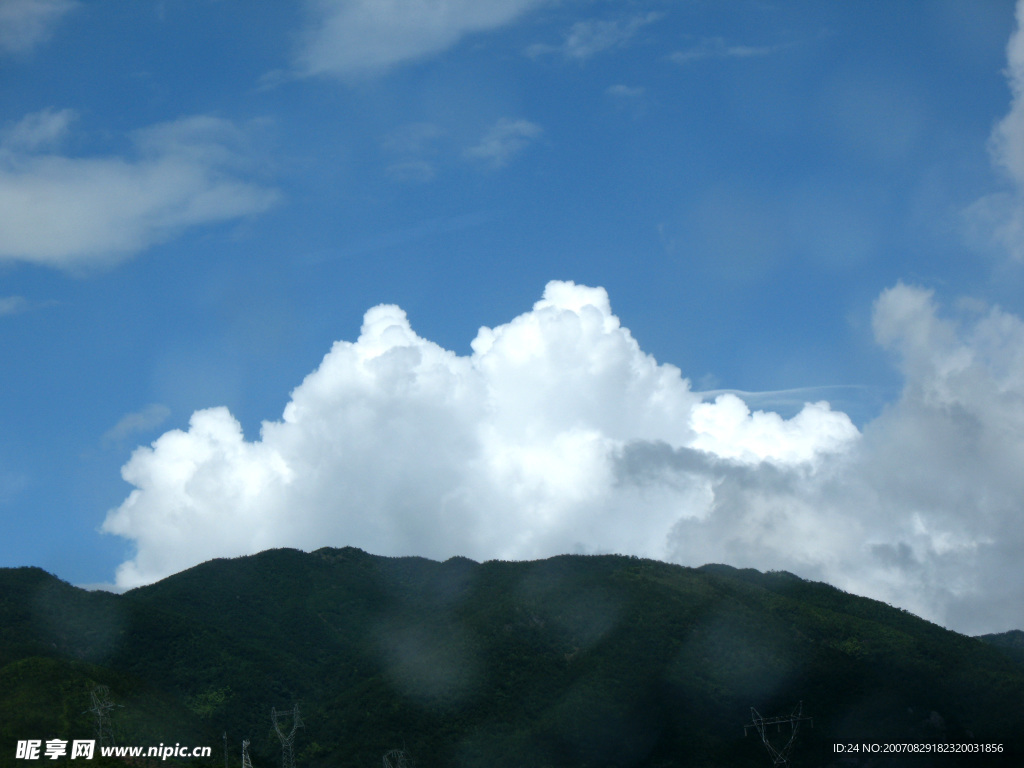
(785, 203)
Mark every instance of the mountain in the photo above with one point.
(571, 661)
(1011, 642)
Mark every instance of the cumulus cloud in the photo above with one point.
(559, 434)
(71, 212)
(356, 37)
(922, 509)
(400, 446)
(27, 23)
(504, 140)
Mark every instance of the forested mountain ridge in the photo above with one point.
(570, 661)
(1012, 643)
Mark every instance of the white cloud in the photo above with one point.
(13, 305)
(1006, 144)
(960, 421)
(413, 139)
(728, 429)
(923, 509)
(999, 217)
(399, 446)
(38, 130)
(71, 212)
(356, 37)
(503, 140)
(718, 48)
(150, 417)
(624, 91)
(12, 484)
(588, 38)
(559, 434)
(411, 171)
(27, 23)
(414, 148)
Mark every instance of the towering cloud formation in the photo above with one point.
(559, 434)
(399, 446)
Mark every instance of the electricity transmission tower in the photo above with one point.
(287, 742)
(397, 758)
(246, 762)
(779, 756)
(101, 708)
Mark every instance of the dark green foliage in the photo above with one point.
(571, 661)
(1011, 643)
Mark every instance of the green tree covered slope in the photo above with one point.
(572, 661)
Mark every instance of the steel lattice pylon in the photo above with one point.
(287, 742)
(779, 756)
(397, 758)
(246, 762)
(101, 708)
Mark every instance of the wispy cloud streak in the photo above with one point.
(24, 24)
(74, 212)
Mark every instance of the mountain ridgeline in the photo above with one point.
(571, 661)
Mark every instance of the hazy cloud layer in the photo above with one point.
(718, 48)
(354, 37)
(503, 141)
(26, 23)
(558, 434)
(40, 130)
(413, 150)
(13, 305)
(129, 425)
(621, 91)
(592, 36)
(1000, 215)
(71, 212)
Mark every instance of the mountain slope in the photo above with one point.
(571, 661)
